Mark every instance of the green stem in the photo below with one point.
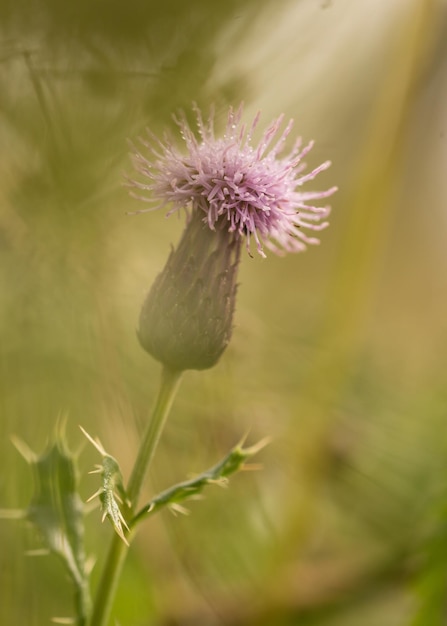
(168, 388)
(118, 549)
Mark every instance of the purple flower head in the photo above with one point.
(249, 189)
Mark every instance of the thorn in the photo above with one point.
(98, 470)
(196, 497)
(120, 520)
(37, 552)
(119, 531)
(23, 449)
(95, 442)
(175, 508)
(240, 444)
(97, 493)
(63, 620)
(220, 482)
(257, 447)
(13, 514)
(61, 425)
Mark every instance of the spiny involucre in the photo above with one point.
(249, 189)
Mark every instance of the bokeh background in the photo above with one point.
(339, 354)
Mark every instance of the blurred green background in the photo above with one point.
(339, 354)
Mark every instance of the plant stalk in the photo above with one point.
(118, 549)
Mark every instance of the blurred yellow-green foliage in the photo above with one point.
(339, 354)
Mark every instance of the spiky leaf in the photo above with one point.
(218, 474)
(58, 512)
(112, 491)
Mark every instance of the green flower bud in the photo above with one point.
(187, 319)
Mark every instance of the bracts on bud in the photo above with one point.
(187, 319)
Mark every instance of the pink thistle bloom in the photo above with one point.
(250, 189)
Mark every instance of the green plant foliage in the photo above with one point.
(58, 512)
(218, 475)
(112, 491)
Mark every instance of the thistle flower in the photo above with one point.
(249, 190)
(230, 190)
